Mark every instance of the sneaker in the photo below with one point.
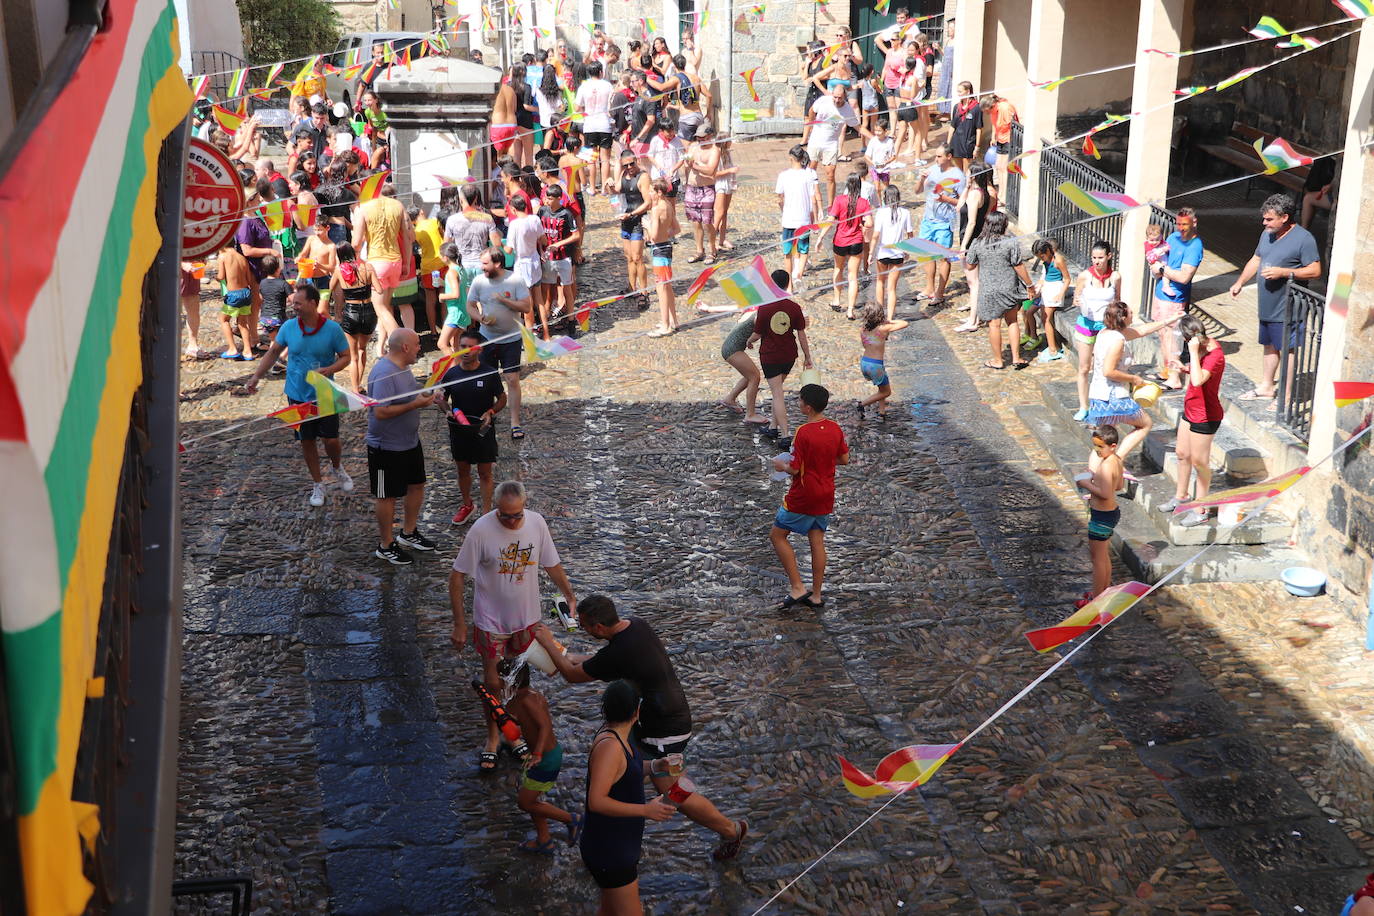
(342, 479)
(1080, 415)
(1194, 518)
(317, 495)
(393, 554)
(1047, 356)
(1169, 506)
(464, 513)
(416, 541)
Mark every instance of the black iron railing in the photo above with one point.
(238, 887)
(217, 63)
(1063, 220)
(1302, 343)
(1018, 146)
(1145, 309)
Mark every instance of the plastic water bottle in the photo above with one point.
(779, 108)
(617, 204)
(435, 277)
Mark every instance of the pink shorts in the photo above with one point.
(502, 645)
(388, 274)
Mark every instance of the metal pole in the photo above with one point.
(729, 125)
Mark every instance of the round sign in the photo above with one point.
(213, 206)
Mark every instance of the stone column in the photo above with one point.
(1147, 164)
(1044, 62)
(968, 47)
(1347, 352)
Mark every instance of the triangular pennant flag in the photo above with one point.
(1299, 41)
(561, 345)
(200, 86)
(749, 81)
(752, 286)
(583, 315)
(448, 181)
(1340, 296)
(1247, 494)
(238, 82)
(881, 6)
(1278, 155)
(307, 71)
(759, 9)
(531, 348)
(1103, 609)
(273, 73)
(275, 213)
(371, 187)
(262, 94)
(1237, 77)
(1096, 203)
(742, 25)
(925, 250)
(1191, 91)
(331, 399)
(698, 285)
(295, 414)
(1014, 168)
(1051, 85)
(1268, 27)
(231, 121)
(439, 367)
(1090, 148)
(1356, 9)
(900, 771)
(1348, 393)
(305, 214)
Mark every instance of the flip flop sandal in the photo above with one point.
(575, 828)
(696, 260)
(991, 366)
(836, 308)
(811, 602)
(517, 433)
(1254, 395)
(486, 761)
(789, 602)
(1023, 364)
(537, 848)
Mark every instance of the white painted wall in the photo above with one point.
(208, 25)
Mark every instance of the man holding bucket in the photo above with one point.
(503, 553)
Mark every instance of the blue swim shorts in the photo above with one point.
(800, 524)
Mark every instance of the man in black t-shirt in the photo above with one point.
(643, 115)
(635, 653)
(563, 232)
(475, 395)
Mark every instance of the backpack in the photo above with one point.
(620, 111)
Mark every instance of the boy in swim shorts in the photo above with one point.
(236, 279)
(1103, 513)
(531, 711)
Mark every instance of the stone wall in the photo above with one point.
(1340, 530)
(1304, 101)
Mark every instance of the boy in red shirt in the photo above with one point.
(818, 447)
(779, 328)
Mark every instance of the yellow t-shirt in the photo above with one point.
(310, 86)
(383, 215)
(430, 235)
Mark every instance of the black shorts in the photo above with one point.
(390, 473)
(504, 356)
(318, 428)
(358, 320)
(1001, 148)
(772, 369)
(1205, 429)
(470, 447)
(611, 878)
(848, 251)
(907, 112)
(597, 140)
(891, 262)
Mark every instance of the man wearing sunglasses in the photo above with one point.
(503, 553)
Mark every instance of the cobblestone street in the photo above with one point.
(1211, 752)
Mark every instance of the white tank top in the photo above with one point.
(1092, 304)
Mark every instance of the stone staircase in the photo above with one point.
(1150, 542)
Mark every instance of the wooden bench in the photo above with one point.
(1239, 150)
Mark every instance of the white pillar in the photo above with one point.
(1147, 162)
(1044, 62)
(968, 46)
(1349, 242)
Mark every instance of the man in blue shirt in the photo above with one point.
(1286, 253)
(395, 458)
(943, 183)
(313, 342)
(1174, 289)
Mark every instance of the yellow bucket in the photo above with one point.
(810, 377)
(1147, 394)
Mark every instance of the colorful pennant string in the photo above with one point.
(1246, 494)
(899, 771)
(1102, 610)
(749, 81)
(1096, 203)
(1268, 27)
(752, 286)
(371, 188)
(1278, 155)
(1348, 393)
(1356, 9)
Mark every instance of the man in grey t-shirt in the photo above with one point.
(497, 299)
(1286, 251)
(395, 458)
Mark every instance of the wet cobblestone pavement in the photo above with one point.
(1209, 754)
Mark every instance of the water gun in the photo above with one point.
(559, 610)
(510, 729)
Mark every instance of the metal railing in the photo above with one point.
(1018, 146)
(216, 62)
(1056, 210)
(1145, 308)
(238, 887)
(1302, 342)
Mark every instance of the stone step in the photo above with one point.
(1265, 528)
(1232, 451)
(1143, 547)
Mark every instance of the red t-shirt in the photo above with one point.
(849, 231)
(817, 445)
(1201, 404)
(776, 324)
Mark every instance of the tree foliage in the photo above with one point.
(275, 30)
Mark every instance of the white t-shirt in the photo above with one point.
(504, 567)
(831, 118)
(798, 189)
(523, 236)
(663, 157)
(594, 97)
(881, 152)
(892, 225)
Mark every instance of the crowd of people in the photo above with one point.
(497, 261)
